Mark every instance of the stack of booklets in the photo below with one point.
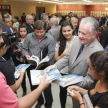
(69, 79)
(20, 68)
(37, 75)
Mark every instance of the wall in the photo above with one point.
(17, 8)
(86, 8)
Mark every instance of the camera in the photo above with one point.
(10, 39)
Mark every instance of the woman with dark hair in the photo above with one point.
(22, 32)
(62, 47)
(98, 93)
(67, 17)
(16, 22)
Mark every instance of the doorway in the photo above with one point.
(39, 11)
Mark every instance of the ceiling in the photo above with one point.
(58, 2)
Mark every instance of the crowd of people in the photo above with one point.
(72, 48)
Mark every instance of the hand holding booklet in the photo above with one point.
(20, 68)
(69, 79)
(37, 75)
(34, 60)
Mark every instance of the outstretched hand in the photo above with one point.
(50, 67)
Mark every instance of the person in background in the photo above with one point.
(54, 31)
(7, 13)
(29, 23)
(23, 18)
(74, 22)
(16, 22)
(98, 93)
(17, 52)
(67, 17)
(34, 16)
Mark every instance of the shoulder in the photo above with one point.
(29, 35)
(49, 36)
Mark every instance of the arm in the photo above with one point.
(17, 84)
(57, 56)
(28, 100)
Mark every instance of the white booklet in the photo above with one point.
(69, 79)
(20, 68)
(87, 101)
(37, 75)
(34, 60)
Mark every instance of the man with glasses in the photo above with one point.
(29, 23)
(34, 43)
(78, 57)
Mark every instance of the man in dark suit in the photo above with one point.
(29, 23)
(8, 29)
(74, 22)
(46, 19)
(104, 37)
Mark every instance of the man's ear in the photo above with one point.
(94, 34)
(102, 73)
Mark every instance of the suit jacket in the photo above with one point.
(29, 28)
(104, 37)
(81, 64)
(54, 32)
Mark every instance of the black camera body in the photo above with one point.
(10, 39)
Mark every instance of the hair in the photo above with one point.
(40, 24)
(22, 26)
(5, 17)
(62, 39)
(99, 61)
(16, 17)
(67, 16)
(45, 16)
(94, 23)
(54, 21)
(27, 16)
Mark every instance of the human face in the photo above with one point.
(45, 19)
(8, 22)
(67, 18)
(40, 33)
(74, 22)
(30, 20)
(1, 39)
(67, 32)
(93, 72)
(84, 34)
(14, 20)
(23, 32)
(50, 24)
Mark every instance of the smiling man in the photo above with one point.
(77, 58)
(33, 45)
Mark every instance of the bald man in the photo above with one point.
(54, 31)
(74, 22)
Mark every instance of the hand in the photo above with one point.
(44, 84)
(22, 74)
(76, 95)
(19, 49)
(27, 57)
(75, 88)
(50, 67)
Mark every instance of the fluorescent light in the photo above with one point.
(87, 1)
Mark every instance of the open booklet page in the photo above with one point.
(34, 60)
(87, 101)
(20, 68)
(37, 75)
(69, 79)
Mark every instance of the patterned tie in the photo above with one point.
(80, 51)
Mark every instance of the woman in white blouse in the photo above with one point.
(16, 22)
(62, 47)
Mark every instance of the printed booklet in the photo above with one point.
(69, 79)
(34, 60)
(20, 68)
(36, 75)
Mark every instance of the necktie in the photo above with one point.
(80, 51)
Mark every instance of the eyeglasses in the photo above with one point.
(8, 21)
